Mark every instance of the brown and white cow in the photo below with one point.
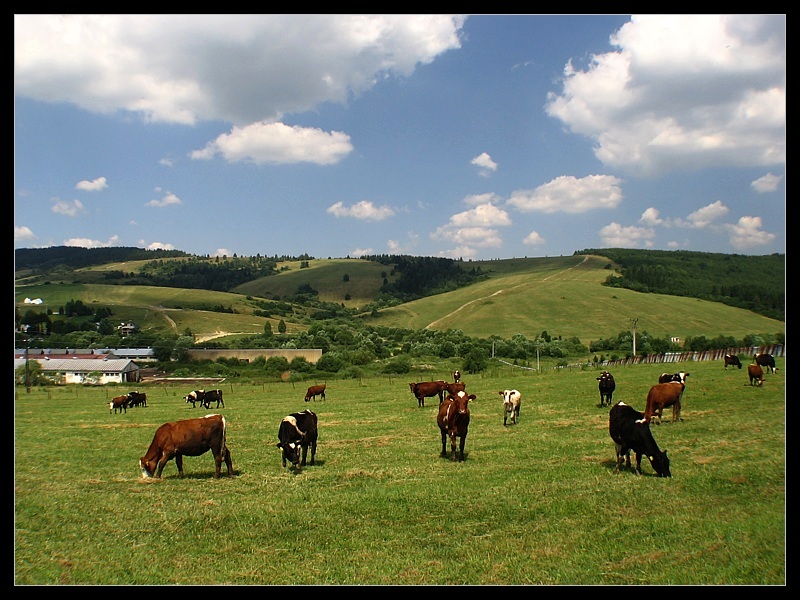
(453, 388)
(191, 437)
(428, 389)
(119, 403)
(511, 403)
(314, 391)
(296, 431)
(756, 375)
(663, 396)
(453, 421)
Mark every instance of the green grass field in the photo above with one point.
(534, 503)
(560, 295)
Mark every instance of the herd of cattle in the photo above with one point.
(297, 432)
(630, 429)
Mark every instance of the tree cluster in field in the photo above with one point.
(755, 283)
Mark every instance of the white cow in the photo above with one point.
(511, 402)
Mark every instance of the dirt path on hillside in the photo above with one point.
(481, 299)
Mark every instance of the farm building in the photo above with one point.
(85, 370)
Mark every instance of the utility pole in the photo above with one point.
(633, 325)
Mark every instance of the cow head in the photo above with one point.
(462, 402)
(660, 464)
(148, 468)
(291, 452)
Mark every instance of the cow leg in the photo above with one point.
(505, 417)
(179, 463)
(453, 445)
(305, 453)
(444, 443)
(461, 447)
(638, 463)
(228, 462)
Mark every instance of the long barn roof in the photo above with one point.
(74, 365)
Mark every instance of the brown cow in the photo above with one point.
(314, 391)
(453, 421)
(756, 374)
(663, 396)
(191, 437)
(119, 403)
(453, 388)
(428, 389)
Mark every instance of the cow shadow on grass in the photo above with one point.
(611, 464)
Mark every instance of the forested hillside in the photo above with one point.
(755, 283)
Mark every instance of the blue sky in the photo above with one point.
(474, 137)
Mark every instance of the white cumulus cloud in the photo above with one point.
(95, 185)
(363, 210)
(570, 195)
(766, 183)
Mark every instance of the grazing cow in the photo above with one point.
(607, 387)
(191, 437)
(298, 430)
(629, 432)
(119, 403)
(211, 396)
(428, 389)
(456, 376)
(756, 374)
(453, 388)
(453, 421)
(668, 377)
(314, 391)
(767, 361)
(663, 396)
(137, 399)
(195, 396)
(732, 360)
(511, 402)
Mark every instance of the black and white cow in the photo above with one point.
(731, 360)
(679, 377)
(607, 386)
(298, 430)
(212, 396)
(626, 428)
(767, 361)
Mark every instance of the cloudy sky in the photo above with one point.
(473, 137)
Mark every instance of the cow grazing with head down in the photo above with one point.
(606, 386)
(669, 377)
(663, 396)
(428, 389)
(629, 432)
(756, 375)
(453, 421)
(766, 361)
(511, 403)
(731, 360)
(195, 396)
(314, 391)
(296, 431)
(212, 396)
(191, 437)
(119, 403)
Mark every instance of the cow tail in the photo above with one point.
(224, 439)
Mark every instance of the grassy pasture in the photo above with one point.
(535, 503)
(560, 295)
